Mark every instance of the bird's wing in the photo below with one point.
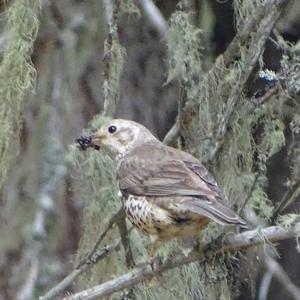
(158, 171)
(161, 171)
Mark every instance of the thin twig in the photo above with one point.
(69, 279)
(114, 219)
(279, 273)
(154, 16)
(265, 285)
(241, 208)
(172, 134)
(95, 256)
(28, 287)
(242, 240)
(255, 101)
(288, 198)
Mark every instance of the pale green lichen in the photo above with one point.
(184, 49)
(114, 59)
(95, 185)
(130, 8)
(243, 9)
(288, 220)
(17, 77)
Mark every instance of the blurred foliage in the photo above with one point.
(17, 77)
(96, 186)
(184, 48)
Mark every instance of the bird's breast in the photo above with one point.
(154, 220)
(145, 215)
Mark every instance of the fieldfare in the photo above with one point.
(167, 193)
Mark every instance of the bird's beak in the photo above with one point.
(89, 141)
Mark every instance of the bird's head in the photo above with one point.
(119, 135)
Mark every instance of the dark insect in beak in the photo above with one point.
(86, 142)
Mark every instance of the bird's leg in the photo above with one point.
(152, 260)
(152, 251)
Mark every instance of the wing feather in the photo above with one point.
(160, 178)
(216, 211)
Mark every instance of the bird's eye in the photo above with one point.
(112, 129)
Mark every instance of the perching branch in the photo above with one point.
(138, 275)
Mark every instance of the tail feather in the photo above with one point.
(215, 211)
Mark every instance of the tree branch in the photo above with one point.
(243, 35)
(257, 101)
(53, 175)
(288, 198)
(172, 134)
(282, 277)
(110, 98)
(69, 279)
(154, 16)
(266, 17)
(265, 285)
(255, 51)
(95, 256)
(90, 257)
(242, 240)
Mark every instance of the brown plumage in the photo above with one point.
(167, 193)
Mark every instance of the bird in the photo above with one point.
(167, 193)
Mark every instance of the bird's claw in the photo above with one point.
(155, 262)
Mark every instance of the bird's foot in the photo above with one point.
(155, 262)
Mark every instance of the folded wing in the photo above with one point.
(160, 171)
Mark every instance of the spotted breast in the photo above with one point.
(158, 222)
(146, 216)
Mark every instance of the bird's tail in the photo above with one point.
(215, 211)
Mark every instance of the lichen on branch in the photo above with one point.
(17, 77)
